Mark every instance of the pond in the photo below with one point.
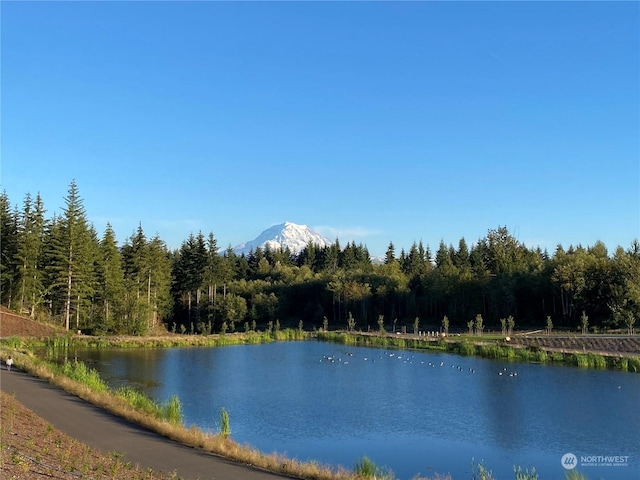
(411, 412)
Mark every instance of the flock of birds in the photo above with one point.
(406, 358)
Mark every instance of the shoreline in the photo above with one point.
(519, 348)
(492, 347)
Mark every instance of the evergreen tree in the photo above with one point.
(71, 262)
(189, 275)
(159, 281)
(461, 257)
(111, 286)
(135, 258)
(212, 276)
(415, 263)
(348, 259)
(390, 255)
(8, 251)
(331, 257)
(308, 255)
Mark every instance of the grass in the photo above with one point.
(79, 372)
(366, 468)
(591, 360)
(525, 474)
(170, 411)
(480, 472)
(574, 475)
(633, 364)
(66, 343)
(225, 426)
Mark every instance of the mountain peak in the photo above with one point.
(284, 235)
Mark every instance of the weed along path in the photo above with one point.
(108, 433)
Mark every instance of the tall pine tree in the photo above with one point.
(8, 251)
(30, 244)
(71, 264)
(110, 283)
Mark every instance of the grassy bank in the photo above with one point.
(487, 347)
(168, 341)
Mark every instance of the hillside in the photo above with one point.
(13, 325)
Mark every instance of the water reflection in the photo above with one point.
(413, 412)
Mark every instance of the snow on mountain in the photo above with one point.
(287, 234)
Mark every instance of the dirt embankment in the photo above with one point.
(33, 450)
(14, 325)
(613, 345)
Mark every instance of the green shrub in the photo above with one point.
(581, 360)
(366, 468)
(225, 426)
(173, 410)
(79, 372)
(539, 355)
(140, 401)
(634, 364)
(598, 361)
(466, 348)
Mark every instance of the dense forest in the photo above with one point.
(60, 268)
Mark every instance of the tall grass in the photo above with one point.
(574, 475)
(480, 472)
(633, 364)
(89, 377)
(590, 360)
(466, 348)
(525, 474)
(172, 410)
(15, 342)
(366, 468)
(539, 355)
(60, 344)
(139, 401)
(623, 364)
(225, 426)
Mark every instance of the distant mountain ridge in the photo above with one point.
(295, 237)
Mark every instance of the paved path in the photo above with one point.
(108, 433)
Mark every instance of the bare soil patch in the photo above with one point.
(31, 449)
(604, 345)
(14, 325)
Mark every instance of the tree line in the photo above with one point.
(60, 268)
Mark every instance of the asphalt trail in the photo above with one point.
(108, 433)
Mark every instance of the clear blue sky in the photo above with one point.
(375, 122)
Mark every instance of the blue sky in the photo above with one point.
(372, 122)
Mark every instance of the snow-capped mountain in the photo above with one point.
(284, 235)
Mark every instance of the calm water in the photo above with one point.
(414, 413)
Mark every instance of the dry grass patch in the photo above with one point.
(30, 448)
